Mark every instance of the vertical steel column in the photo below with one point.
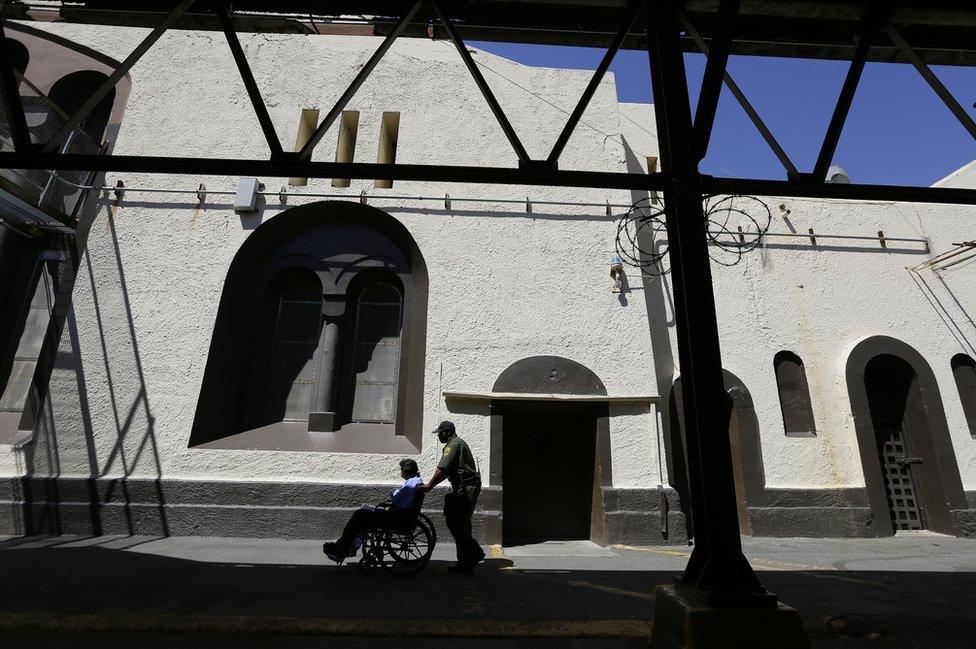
(717, 569)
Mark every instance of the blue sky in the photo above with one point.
(898, 131)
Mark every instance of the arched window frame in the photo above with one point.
(794, 395)
(964, 373)
(338, 241)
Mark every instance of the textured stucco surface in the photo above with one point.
(504, 284)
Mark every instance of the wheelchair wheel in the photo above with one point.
(371, 560)
(409, 550)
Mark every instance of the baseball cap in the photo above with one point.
(445, 426)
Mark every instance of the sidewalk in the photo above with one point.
(912, 591)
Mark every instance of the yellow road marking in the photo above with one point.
(669, 553)
(611, 589)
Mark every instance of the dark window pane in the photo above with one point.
(964, 371)
(794, 395)
(376, 354)
(291, 381)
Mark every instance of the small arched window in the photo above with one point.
(297, 320)
(964, 371)
(376, 353)
(794, 395)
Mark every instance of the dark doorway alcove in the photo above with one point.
(549, 457)
(906, 453)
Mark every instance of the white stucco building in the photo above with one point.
(202, 370)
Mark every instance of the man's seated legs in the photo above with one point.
(362, 519)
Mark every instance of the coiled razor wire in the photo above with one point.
(736, 225)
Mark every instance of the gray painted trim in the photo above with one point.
(319, 510)
(549, 375)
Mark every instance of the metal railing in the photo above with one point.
(53, 192)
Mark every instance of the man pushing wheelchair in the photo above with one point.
(396, 529)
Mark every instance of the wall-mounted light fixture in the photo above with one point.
(616, 273)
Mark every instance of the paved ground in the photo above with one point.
(913, 591)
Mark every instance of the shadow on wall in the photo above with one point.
(98, 504)
(961, 331)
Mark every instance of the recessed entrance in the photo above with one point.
(903, 439)
(910, 472)
(548, 459)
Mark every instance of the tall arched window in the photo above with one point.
(964, 371)
(794, 395)
(320, 337)
(294, 345)
(376, 353)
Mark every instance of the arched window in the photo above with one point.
(376, 353)
(297, 322)
(964, 371)
(69, 93)
(794, 395)
(320, 337)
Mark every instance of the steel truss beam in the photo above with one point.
(715, 73)
(253, 92)
(767, 135)
(116, 76)
(289, 166)
(479, 79)
(333, 114)
(626, 22)
(933, 81)
(845, 99)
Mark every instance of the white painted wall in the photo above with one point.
(504, 285)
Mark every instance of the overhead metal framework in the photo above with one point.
(910, 31)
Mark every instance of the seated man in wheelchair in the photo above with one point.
(402, 502)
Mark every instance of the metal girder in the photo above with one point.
(626, 22)
(289, 166)
(967, 122)
(844, 100)
(253, 92)
(843, 191)
(116, 75)
(333, 114)
(767, 135)
(12, 104)
(715, 71)
(479, 79)
(717, 570)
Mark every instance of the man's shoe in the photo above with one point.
(481, 557)
(332, 552)
(461, 569)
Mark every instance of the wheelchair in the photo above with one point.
(402, 546)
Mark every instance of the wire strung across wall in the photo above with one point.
(736, 225)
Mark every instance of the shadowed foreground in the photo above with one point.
(60, 592)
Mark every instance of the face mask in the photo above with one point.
(443, 436)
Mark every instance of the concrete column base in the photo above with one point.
(681, 621)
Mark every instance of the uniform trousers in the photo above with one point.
(458, 508)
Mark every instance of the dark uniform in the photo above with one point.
(457, 463)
